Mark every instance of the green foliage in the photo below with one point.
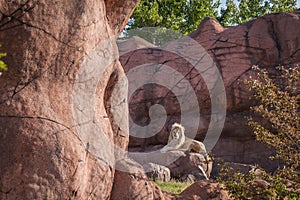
(244, 186)
(181, 15)
(279, 106)
(247, 10)
(185, 15)
(173, 186)
(257, 184)
(3, 66)
(229, 14)
(156, 36)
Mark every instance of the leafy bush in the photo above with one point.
(3, 66)
(185, 15)
(278, 105)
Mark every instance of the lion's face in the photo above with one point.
(177, 132)
(176, 138)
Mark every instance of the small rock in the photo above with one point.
(204, 190)
(189, 166)
(157, 172)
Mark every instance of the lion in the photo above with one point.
(178, 141)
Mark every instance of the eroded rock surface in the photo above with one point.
(268, 41)
(134, 184)
(157, 172)
(204, 190)
(48, 95)
(63, 103)
(187, 167)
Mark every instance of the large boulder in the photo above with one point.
(131, 182)
(268, 41)
(178, 165)
(191, 167)
(50, 101)
(157, 172)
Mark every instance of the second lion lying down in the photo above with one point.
(178, 141)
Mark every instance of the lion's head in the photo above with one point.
(177, 133)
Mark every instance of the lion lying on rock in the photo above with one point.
(178, 141)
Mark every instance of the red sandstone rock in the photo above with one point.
(44, 154)
(268, 41)
(134, 184)
(204, 190)
(188, 166)
(49, 43)
(56, 51)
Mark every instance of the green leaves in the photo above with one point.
(229, 14)
(3, 66)
(186, 15)
(279, 106)
(246, 10)
(275, 121)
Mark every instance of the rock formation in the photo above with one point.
(157, 172)
(176, 165)
(268, 41)
(135, 185)
(50, 101)
(186, 168)
(63, 103)
(204, 190)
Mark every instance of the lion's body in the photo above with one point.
(178, 141)
(194, 146)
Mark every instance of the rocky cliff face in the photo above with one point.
(63, 104)
(57, 97)
(267, 41)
